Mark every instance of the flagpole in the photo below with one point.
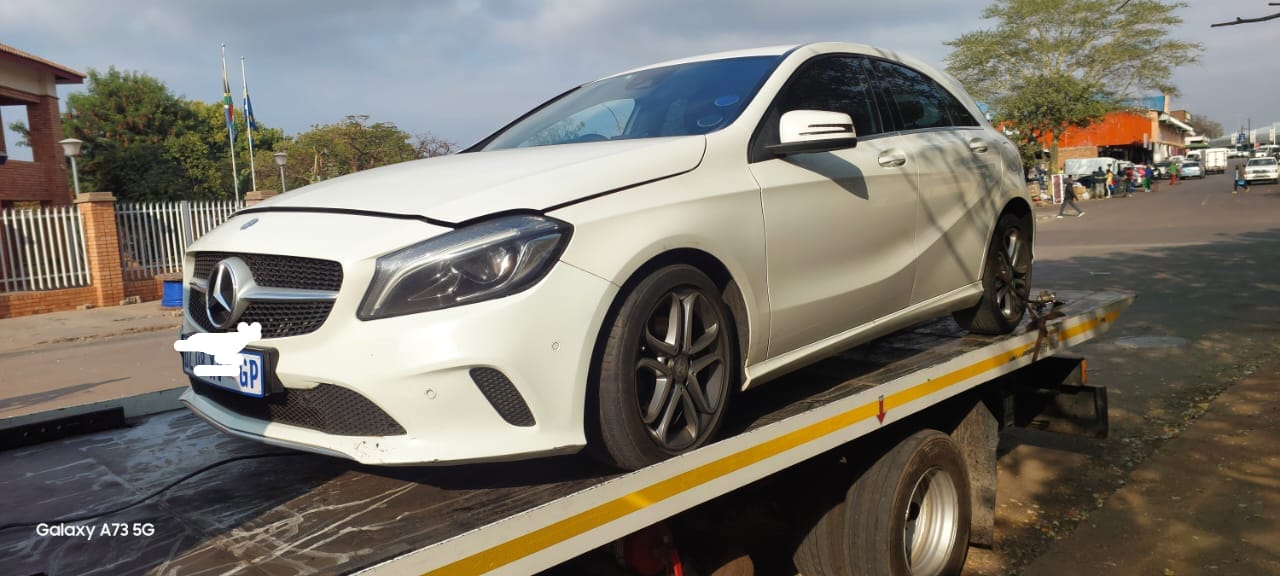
(248, 125)
(231, 139)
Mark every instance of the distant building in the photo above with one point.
(31, 81)
(1147, 133)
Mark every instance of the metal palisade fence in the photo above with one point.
(154, 235)
(42, 249)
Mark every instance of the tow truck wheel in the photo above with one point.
(910, 512)
(907, 515)
(1006, 279)
(666, 369)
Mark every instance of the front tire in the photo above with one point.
(1006, 280)
(666, 370)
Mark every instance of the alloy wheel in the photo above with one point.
(681, 370)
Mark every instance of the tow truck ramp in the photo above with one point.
(271, 511)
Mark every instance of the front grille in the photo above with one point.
(279, 319)
(279, 271)
(326, 408)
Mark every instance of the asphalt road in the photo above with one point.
(1206, 266)
(68, 374)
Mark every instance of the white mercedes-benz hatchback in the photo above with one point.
(610, 268)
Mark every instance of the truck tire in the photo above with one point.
(666, 371)
(907, 515)
(1006, 279)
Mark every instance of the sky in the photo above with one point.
(460, 69)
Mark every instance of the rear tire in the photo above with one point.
(1006, 280)
(909, 514)
(666, 369)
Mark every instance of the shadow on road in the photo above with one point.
(1223, 299)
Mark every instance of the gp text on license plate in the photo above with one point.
(250, 380)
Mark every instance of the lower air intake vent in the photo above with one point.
(504, 397)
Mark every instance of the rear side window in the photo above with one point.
(921, 102)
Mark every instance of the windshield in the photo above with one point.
(1262, 162)
(678, 100)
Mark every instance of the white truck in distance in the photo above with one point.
(1215, 160)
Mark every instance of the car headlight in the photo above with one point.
(483, 261)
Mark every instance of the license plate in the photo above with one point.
(249, 382)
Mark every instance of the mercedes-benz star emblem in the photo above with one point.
(228, 283)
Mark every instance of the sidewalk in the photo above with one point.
(1208, 502)
(30, 332)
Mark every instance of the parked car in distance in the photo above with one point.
(1162, 169)
(608, 270)
(1262, 170)
(1191, 169)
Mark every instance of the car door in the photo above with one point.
(959, 165)
(839, 226)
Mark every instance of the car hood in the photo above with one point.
(460, 187)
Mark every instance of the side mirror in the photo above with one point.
(802, 131)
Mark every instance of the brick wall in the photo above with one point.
(146, 290)
(14, 304)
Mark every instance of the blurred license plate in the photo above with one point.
(249, 382)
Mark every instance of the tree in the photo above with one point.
(428, 145)
(125, 120)
(351, 145)
(1205, 127)
(1113, 52)
(1044, 107)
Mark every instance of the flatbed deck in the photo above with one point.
(283, 512)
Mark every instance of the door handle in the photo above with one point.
(892, 159)
(978, 145)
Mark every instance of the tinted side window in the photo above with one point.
(921, 102)
(960, 115)
(834, 84)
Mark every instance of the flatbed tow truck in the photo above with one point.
(171, 495)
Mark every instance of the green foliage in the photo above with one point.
(1043, 107)
(1049, 65)
(1130, 50)
(24, 135)
(351, 145)
(145, 144)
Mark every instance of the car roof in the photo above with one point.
(785, 49)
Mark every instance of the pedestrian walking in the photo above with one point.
(1239, 181)
(1069, 197)
(1148, 172)
(1111, 182)
(1173, 173)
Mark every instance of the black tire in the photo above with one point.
(871, 530)
(1006, 280)
(664, 383)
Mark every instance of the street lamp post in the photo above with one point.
(71, 146)
(281, 158)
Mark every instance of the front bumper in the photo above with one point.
(1261, 176)
(428, 373)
